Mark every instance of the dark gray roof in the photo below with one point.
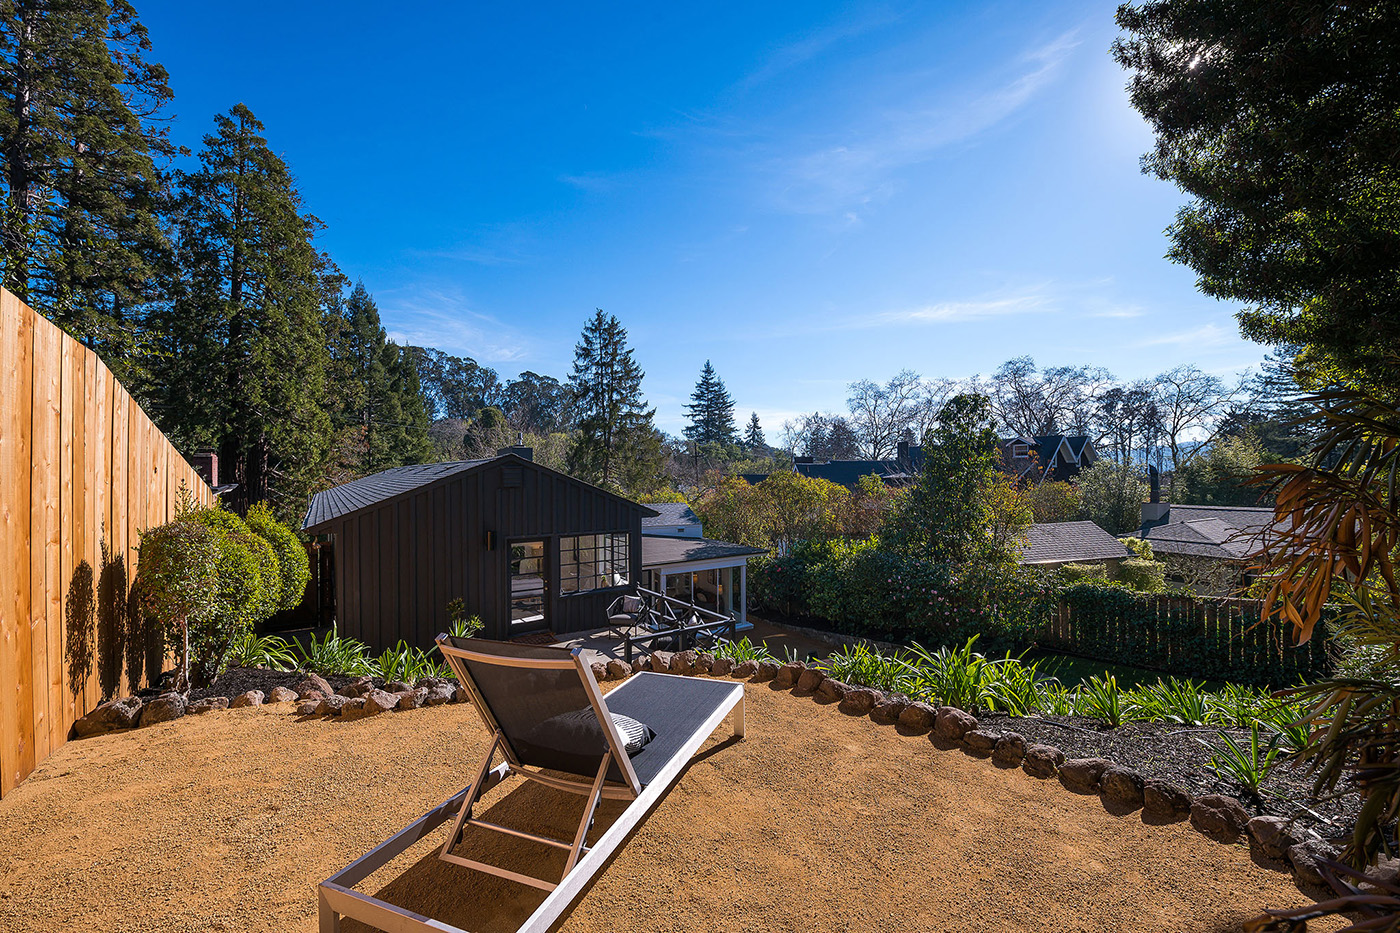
(1067, 542)
(1218, 531)
(848, 472)
(670, 513)
(665, 549)
(357, 494)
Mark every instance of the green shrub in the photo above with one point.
(1144, 576)
(1140, 547)
(863, 666)
(177, 584)
(248, 583)
(1083, 573)
(407, 664)
(741, 650)
(294, 569)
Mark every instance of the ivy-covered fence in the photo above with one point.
(1211, 639)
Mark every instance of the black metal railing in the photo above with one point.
(667, 619)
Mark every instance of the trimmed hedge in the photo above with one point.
(1215, 639)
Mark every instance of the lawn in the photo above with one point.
(818, 820)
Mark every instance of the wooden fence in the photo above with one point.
(82, 471)
(1202, 638)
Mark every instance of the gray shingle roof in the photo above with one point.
(355, 495)
(1222, 532)
(1064, 542)
(665, 549)
(670, 513)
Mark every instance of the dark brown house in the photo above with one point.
(524, 547)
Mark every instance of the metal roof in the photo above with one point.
(1071, 542)
(669, 513)
(658, 550)
(332, 503)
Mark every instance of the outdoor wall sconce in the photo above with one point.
(490, 540)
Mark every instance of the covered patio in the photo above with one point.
(707, 574)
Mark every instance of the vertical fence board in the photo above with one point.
(70, 398)
(14, 471)
(43, 524)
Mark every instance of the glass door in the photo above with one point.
(528, 586)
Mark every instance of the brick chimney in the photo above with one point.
(206, 464)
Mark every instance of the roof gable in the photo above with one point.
(670, 513)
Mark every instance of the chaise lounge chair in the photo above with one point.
(551, 723)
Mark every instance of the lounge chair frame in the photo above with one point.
(338, 898)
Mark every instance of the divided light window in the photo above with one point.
(594, 562)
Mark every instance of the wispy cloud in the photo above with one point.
(863, 166)
(951, 312)
(812, 45)
(1207, 335)
(444, 319)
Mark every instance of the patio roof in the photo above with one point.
(662, 550)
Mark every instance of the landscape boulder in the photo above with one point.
(704, 662)
(208, 705)
(809, 680)
(683, 662)
(251, 698)
(661, 661)
(1271, 836)
(619, 670)
(332, 705)
(396, 686)
(163, 708)
(439, 694)
(460, 695)
(1010, 750)
(887, 711)
(767, 670)
(918, 717)
(1165, 800)
(123, 713)
(1042, 761)
(952, 723)
(745, 669)
(599, 669)
(859, 701)
(832, 689)
(1219, 817)
(281, 695)
(313, 684)
(1306, 857)
(1122, 785)
(308, 707)
(353, 708)
(785, 677)
(1082, 774)
(723, 667)
(412, 698)
(981, 741)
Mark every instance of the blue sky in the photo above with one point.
(805, 193)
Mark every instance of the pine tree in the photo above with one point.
(84, 195)
(616, 444)
(376, 389)
(711, 410)
(753, 435)
(246, 364)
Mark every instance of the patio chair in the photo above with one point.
(552, 725)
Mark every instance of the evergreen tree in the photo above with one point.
(376, 390)
(539, 404)
(246, 364)
(84, 194)
(753, 435)
(616, 445)
(711, 410)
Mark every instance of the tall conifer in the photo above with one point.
(83, 191)
(711, 410)
(616, 444)
(246, 364)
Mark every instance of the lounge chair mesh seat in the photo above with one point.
(545, 711)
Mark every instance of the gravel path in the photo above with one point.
(226, 822)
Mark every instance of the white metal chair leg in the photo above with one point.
(589, 808)
(477, 789)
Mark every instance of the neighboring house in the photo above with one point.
(680, 562)
(1205, 547)
(1049, 458)
(671, 518)
(1055, 544)
(524, 547)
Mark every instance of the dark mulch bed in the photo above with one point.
(239, 680)
(1170, 752)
